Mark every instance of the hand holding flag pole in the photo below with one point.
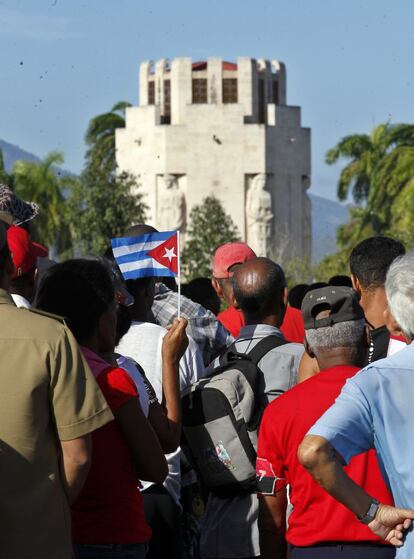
(150, 255)
(179, 275)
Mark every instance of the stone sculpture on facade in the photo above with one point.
(171, 205)
(259, 216)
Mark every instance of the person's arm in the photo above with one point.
(165, 418)
(321, 460)
(272, 525)
(75, 460)
(143, 443)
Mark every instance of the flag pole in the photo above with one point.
(179, 275)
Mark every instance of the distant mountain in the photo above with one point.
(327, 215)
(12, 153)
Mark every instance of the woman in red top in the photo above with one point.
(108, 516)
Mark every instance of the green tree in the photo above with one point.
(100, 138)
(210, 227)
(102, 206)
(105, 201)
(44, 184)
(5, 177)
(380, 166)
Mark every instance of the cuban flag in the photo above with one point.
(153, 254)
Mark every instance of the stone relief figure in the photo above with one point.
(259, 216)
(171, 204)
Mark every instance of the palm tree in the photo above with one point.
(380, 167)
(5, 177)
(42, 183)
(100, 136)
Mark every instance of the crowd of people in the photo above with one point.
(277, 427)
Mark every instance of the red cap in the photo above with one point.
(24, 252)
(227, 256)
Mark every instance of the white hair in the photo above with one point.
(343, 334)
(399, 287)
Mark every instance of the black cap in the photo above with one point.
(343, 302)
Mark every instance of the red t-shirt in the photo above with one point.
(293, 327)
(232, 319)
(317, 517)
(110, 506)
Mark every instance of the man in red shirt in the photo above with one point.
(226, 259)
(319, 526)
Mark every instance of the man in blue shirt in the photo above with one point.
(375, 410)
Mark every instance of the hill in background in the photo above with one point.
(327, 215)
(13, 153)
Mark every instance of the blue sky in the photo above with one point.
(350, 63)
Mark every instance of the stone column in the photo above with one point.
(181, 91)
(247, 87)
(280, 69)
(215, 81)
(144, 72)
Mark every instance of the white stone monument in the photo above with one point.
(259, 216)
(171, 204)
(224, 129)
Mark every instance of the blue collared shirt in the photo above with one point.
(376, 410)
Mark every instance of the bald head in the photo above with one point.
(259, 287)
(139, 229)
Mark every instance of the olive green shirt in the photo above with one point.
(47, 394)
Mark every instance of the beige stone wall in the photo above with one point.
(217, 148)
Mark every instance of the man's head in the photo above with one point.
(399, 287)
(227, 259)
(334, 326)
(296, 295)
(260, 290)
(370, 261)
(201, 291)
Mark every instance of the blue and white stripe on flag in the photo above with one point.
(131, 255)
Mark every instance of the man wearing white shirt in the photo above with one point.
(143, 343)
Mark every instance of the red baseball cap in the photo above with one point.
(228, 255)
(24, 252)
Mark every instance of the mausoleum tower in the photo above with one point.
(222, 128)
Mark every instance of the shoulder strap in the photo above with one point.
(264, 346)
(60, 319)
(255, 355)
(228, 351)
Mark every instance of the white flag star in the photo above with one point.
(169, 253)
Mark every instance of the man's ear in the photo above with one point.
(391, 324)
(217, 287)
(355, 284)
(308, 348)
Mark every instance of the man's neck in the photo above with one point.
(139, 313)
(336, 359)
(374, 303)
(272, 320)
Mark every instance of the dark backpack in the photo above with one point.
(221, 415)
